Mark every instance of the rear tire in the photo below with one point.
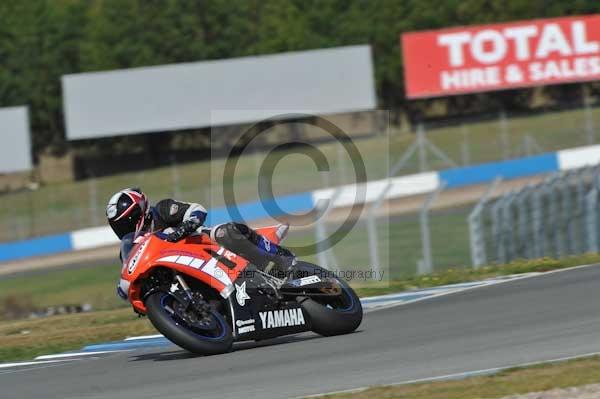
(341, 316)
(182, 335)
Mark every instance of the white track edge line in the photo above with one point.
(77, 354)
(18, 364)
(484, 283)
(144, 337)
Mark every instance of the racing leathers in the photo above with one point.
(179, 219)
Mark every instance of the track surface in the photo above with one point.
(534, 319)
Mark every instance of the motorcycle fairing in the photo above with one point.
(251, 320)
(207, 263)
(197, 256)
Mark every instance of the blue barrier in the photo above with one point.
(510, 169)
(248, 211)
(35, 247)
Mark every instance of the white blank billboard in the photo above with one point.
(182, 96)
(15, 151)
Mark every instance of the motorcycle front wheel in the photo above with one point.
(167, 316)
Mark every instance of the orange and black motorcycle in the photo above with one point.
(204, 297)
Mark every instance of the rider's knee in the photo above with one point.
(230, 234)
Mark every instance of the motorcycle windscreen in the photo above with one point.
(126, 245)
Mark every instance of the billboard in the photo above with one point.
(183, 96)
(15, 154)
(501, 56)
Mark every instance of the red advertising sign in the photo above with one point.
(501, 56)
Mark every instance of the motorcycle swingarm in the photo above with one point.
(256, 316)
(311, 287)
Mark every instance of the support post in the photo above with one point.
(581, 211)
(525, 247)
(372, 228)
(497, 236)
(508, 228)
(421, 145)
(568, 216)
(324, 255)
(426, 265)
(410, 151)
(591, 200)
(539, 235)
(476, 232)
(553, 218)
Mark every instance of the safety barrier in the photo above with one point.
(403, 186)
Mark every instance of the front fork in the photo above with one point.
(186, 288)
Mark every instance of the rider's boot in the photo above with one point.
(280, 255)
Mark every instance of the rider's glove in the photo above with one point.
(183, 230)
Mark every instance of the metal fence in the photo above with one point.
(555, 218)
(399, 237)
(62, 207)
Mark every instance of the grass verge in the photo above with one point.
(510, 382)
(24, 339)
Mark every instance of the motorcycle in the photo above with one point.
(203, 297)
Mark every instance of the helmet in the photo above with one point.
(126, 211)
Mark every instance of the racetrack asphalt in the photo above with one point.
(533, 319)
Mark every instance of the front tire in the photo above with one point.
(330, 316)
(173, 328)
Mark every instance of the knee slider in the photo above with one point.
(228, 233)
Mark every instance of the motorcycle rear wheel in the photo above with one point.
(330, 316)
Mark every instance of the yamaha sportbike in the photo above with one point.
(204, 297)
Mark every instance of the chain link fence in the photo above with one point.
(555, 218)
(394, 239)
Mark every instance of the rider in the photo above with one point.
(128, 212)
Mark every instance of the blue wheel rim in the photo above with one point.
(220, 321)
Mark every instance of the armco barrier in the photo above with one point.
(300, 203)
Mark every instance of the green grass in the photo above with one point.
(25, 339)
(399, 243)
(93, 285)
(61, 207)
(537, 378)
